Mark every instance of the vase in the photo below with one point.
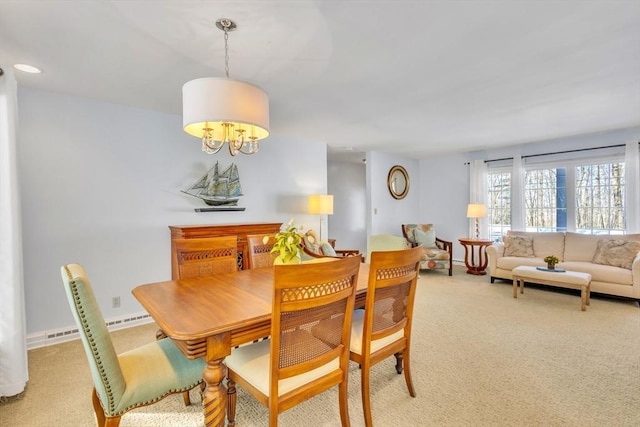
(294, 260)
(551, 266)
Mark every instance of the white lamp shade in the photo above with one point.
(476, 210)
(211, 101)
(321, 204)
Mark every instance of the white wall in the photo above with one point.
(445, 184)
(100, 184)
(386, 214)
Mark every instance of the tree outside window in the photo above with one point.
(598, 189)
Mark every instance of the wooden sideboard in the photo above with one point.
(239, 230)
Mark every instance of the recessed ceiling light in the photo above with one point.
(27, 68)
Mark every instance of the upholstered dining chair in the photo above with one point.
(259, 251)
(293, 365)
(383, 328)
(205, 256)
(129, 380)
(385, 242)
(437, 253)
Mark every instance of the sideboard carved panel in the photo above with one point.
(214, 230)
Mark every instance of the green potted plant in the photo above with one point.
(287, 244)
(551, 261)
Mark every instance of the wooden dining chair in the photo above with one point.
(259, 251)
(200, 257)
(205, 256)
(293, 365)
(126, 381)
(383, 328)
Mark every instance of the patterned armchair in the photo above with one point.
(438, 253)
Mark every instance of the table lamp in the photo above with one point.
(477, 210)
(321, 204)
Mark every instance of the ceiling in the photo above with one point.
(415, 78)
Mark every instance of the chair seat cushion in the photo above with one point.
(252, 362)
(357, 325)
(434, 253)
(149, 371)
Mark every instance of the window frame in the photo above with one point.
(570, 165)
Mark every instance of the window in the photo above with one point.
(600, 198)
(585, 196)
(545, 200)
(499, 206)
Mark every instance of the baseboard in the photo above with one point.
(56, 336)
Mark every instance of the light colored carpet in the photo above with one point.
(479, 357)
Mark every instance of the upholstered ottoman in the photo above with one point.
(565, 279)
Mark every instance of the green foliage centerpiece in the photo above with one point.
(551, 261)
(287, 245)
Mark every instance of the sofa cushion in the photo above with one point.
(544, 244)
(601, 273)
(616, 252)
(580, 247)
(518, 246)
(511, 262)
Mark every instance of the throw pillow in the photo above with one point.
(312, 244)
(426, 239)
(617, 253)
(327, 249)
(521, 246)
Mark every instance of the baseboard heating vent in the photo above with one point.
(45, 338)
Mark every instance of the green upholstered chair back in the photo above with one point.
(103, 360)
(385, 242)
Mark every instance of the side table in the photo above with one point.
(470, 251)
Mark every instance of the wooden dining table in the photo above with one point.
(209, 316)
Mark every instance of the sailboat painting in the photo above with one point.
(218, 188)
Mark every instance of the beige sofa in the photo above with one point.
(576, 252)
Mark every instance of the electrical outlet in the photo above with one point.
(115, 302)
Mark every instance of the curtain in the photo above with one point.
(518, 222)
(13, 346)
(478, 194)
(632, 184)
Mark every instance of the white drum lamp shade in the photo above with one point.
(211, 102)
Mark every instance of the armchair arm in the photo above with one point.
(347, 252)
(445, 245)
(309, 252)
(494, 252)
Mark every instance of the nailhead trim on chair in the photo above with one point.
(101, 369)
(94, 351)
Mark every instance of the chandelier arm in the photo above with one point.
(253, 148)
(211, 147)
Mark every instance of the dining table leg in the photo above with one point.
(215, 393)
